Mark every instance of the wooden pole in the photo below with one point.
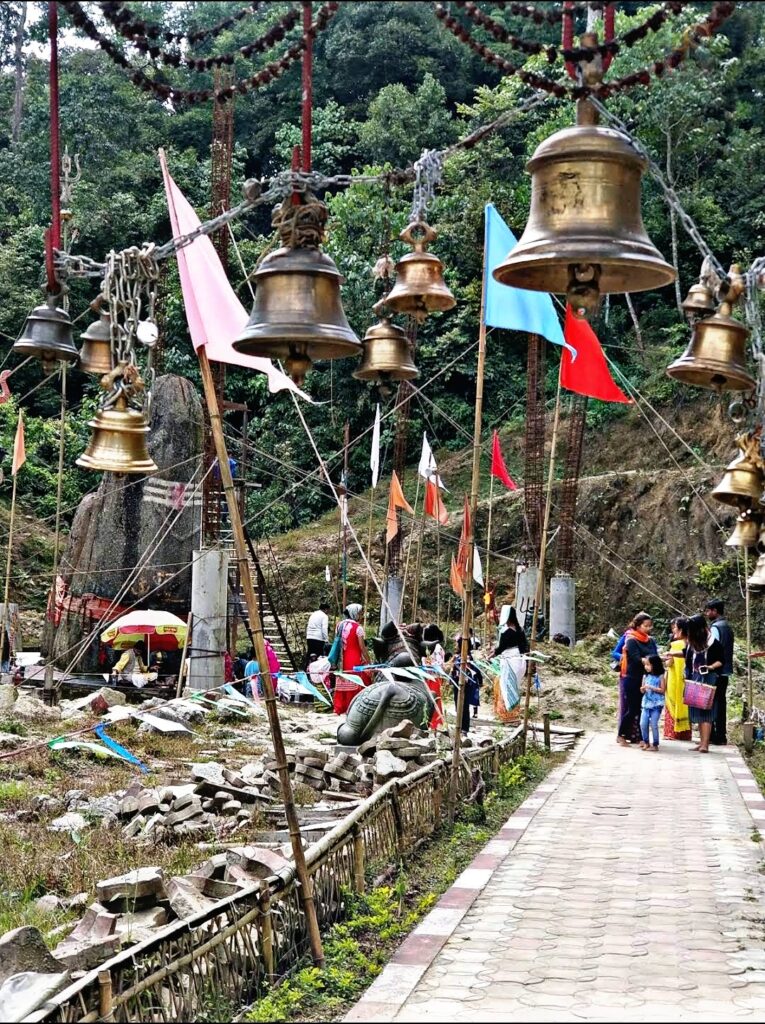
(181, 668)
(749, 681)
(256, 627)
(369, 557)
(539, 595)
(467, 613)
(7, 591)
(487, 582)
(409, 549)
(418, 564)
(344, 508)
(59, 487)
(438, 573)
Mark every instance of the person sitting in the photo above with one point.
(130, 668)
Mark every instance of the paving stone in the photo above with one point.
(133, 885)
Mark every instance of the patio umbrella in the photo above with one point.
(162, 631)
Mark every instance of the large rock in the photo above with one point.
(23, 993)
(186, 898)
(132, 886)
(114, 528)
(93, 940)
(387, 766)
(24, 949)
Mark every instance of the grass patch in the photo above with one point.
(358, 948)
(13, 793)
(10, 725)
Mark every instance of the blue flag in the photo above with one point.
(515, 309)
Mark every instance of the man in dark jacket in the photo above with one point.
(714, 610)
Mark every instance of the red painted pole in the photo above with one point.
(307, 89)
(55, 129)
(609, 19)
(567, 34)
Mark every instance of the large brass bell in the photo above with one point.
(118, 441)
(96, 352)
(741, 484)
(716, 355)
(746, 533)
(585, 233)
(387, 354)
(47, 334)
(420, 288)
(699, 302)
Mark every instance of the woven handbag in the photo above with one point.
(698, 695)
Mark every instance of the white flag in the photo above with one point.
(374, 461)
(477, 567)
(327, 574)
(427, 468)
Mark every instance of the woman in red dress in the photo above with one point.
(354, 652)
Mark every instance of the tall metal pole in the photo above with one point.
(59, 485)
(467, 613)
(256, 627)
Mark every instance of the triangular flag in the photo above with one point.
(19, 449)
(463, 550)
(498, 467)
(515, 309)
(588, 374)
(477, 567)
(395, 501)
(456, 580)
(327, 574)
(427, 467)
(374, 459)
(434, 506)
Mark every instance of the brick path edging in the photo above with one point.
(747, 786)
(390, 990)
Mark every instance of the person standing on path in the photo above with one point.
(703, 662)
(638, 645)
(317, 633)
(677, 724)
(653, 689)
(353, 652)
(714, 611)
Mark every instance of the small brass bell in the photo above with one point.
(96, 352)
(47, 334)
(420, 288)
(716, 355)
(757, 580)
(585, 233)
(741, 484)
(298, 314)
(118, 441)
(699, 302)
(387, 354)
(746, 533)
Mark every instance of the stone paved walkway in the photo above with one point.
(629, 887)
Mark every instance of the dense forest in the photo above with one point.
(389, 82)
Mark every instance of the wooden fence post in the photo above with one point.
(397, 818)
(546, 726)
(105, 1011)
(359, 880)
(267, 931)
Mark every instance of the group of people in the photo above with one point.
(700, 651)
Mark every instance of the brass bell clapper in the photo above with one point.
(298, 315)
(47, 334)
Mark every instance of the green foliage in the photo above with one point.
(713, 577)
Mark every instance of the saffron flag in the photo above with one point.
(427, 467)
(395, 501)
(463, 550)
(515, 309)
(19, 449)
(434, 506)
(214, 314)
(498, 467)
(374, 459)
(456, 580)
(588, 374)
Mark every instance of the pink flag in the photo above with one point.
(214, 314)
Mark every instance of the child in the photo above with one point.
(653, 690)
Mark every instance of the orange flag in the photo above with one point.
(395, 501)
(434, 506)
(19, 450)
(464, 548)
(456, 580)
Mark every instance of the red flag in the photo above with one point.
(19, 449)
(464, 548)
(498, 467)
(456, 580)
(433, 505)
(588, 374)
(395, 501)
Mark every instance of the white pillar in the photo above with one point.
(209, 603)
(563, 607)
(525, 592)
(391, 606)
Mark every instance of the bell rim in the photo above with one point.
(33, 348)
(402, 305)
(656, 272)
(681, 370)
(317, 341)
(145, 468)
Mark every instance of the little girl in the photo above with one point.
(653, 690)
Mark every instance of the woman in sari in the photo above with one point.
(353, 653)
(434, 657)
(510, 650)
(639, 644)
(677, 724)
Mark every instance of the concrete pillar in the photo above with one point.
(391, 606)
(209, 601)
(563, 607)
(525, 593)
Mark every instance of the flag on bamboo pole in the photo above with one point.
(374, 459)
(588, 374)
(19, 449)
(434, 506)
(427, 467)
(456, 580)
(463, 550)
(477, 567)
(396, 500)
(498, 467)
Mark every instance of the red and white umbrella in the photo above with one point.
(162, 631)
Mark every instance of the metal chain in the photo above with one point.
(427, 175)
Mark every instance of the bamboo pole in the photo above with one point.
(487, 582)
(539, 595)
(438, 573)
(6, 593)
(749, 681)
(467, 613)
(256, 627)
(344, 510)
(418, 563)
(182, 667)
(409, 549)
(369, 557)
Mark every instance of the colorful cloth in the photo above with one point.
(351, 633)
(677, 725)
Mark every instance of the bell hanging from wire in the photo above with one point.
(743, 480)
(757, 580)
(298, 313)
(420, 287)
(585, 235)
(746, 533)
(699, 302)
(118, 442)
(96, 353)
(387, 354)
(47, 334)
(716, 355)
